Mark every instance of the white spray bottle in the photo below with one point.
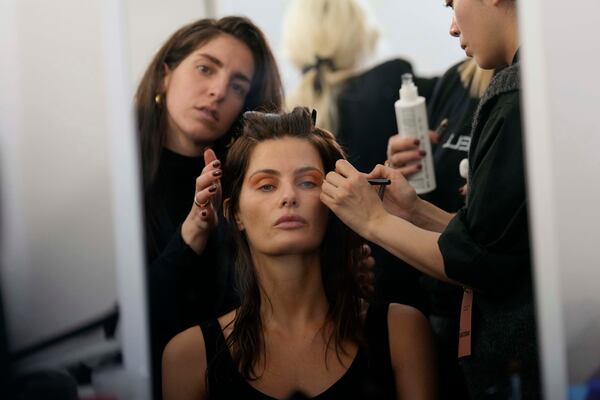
(411, 117)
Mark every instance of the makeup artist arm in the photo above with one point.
(403, 224)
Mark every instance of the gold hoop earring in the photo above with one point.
(158, 99)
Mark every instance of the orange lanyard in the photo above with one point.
(464, 332)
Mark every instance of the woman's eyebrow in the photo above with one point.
(267, 171)
(304, 170)
(299, 171)
(219, 63)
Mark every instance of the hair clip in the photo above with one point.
(313, 116)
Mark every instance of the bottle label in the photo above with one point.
(414, 124)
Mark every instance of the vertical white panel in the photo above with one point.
(560, 57)
(543, 207)
(70, 190)
(58, 258)
(126, 201)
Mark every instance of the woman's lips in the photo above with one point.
(290, 222)
(208, 113)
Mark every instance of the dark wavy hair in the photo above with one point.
(266, 92)
(339, 253)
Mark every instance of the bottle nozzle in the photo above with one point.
(407, 79)
(408, 90)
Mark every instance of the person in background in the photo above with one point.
(485, 246)
(331, 42)
(188, 103)
(302, 326)
(451, 109)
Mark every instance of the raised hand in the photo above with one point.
(203, 215)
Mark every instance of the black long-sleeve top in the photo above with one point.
(184, 288)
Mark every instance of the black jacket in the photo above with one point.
(486, 245)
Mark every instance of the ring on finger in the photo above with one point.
(201, 205)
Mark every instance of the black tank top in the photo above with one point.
(370, 376)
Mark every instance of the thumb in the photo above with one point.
(434, 137)
(379, 171)
(209, 156)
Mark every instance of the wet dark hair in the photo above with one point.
(339, 253)
(265, 91)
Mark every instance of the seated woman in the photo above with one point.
(301, 326)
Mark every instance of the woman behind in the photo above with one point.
(485, 246)
(331, 43)
(187, 104)
(301, 325)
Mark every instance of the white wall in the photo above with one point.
(151, 22)
(560, 58)
(71, 237)
(58, 252)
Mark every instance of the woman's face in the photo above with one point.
(206, 92)
(279, 208)
(475, 23)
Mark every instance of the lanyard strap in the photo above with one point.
(464, 332)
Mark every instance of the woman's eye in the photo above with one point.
(308, 185)
(266, 188)
(203, 69)
(239, 89)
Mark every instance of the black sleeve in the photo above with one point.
(176, 254)
(486, 245)
(164, 274)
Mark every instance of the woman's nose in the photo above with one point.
(454, 31)
(289, 198)
(217, 88)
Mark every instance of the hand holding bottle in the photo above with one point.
(411, 116)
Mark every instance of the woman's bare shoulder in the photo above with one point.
(407, 327)
(412, 353)
(183, 365)
(187, 344)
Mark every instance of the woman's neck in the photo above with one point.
(180, 145)
(511, 41)
(291, 290)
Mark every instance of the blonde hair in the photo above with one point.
(474, 78)
(327, 40)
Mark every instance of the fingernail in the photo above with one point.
(216, 163)
(217, 172)
(419, 166)
(422, 153)
(212, 188)
(417, 142)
